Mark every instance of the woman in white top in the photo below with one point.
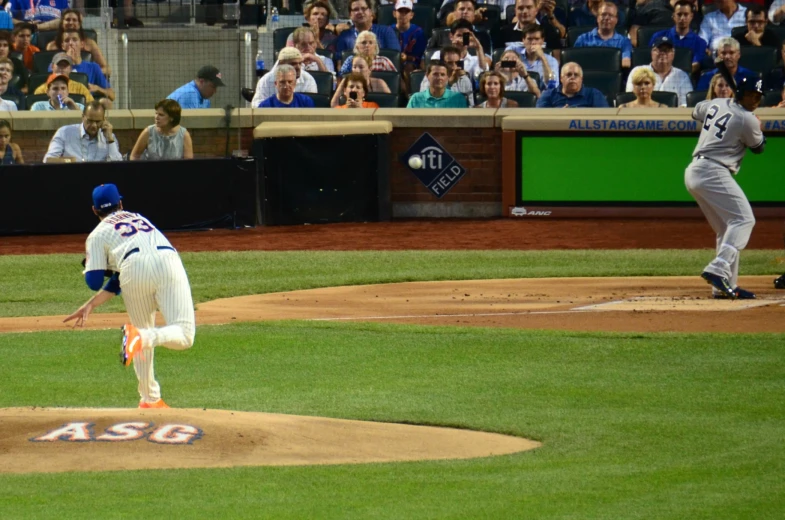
(166, 139)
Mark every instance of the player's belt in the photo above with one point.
(715, 161)
(136, 250)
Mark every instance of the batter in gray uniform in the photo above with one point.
(729, 128)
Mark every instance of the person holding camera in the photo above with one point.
(463, 38)
(457, 78)
(516, 77)
(91, 140)
(354, 88)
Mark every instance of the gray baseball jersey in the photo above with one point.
(728, 130)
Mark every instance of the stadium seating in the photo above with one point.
(772, 98)
(594, 58)
(670, 99)
(695, 97)
(524, 99)
(393, 56)
(279, 39)
(324, 81)
(758, 59)
(647, 31)
(415, 79)
(393, 79)
(319, 100)
(608, 83)
(383, 100)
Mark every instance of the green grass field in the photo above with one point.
(633, 425)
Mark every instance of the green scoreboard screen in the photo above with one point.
(621, 169)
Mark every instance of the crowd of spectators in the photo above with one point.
(506, 54)
(543, 53)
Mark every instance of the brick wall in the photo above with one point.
(479, 150)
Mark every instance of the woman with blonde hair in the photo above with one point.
(643, 81)
(362, 65)
(354, 88)
(492, 85)
(165, 139)
(367, 46)
(71, 19)
(719, 88)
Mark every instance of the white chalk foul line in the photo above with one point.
(422, 316)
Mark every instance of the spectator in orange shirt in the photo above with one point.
(23, 33)
(354, 88)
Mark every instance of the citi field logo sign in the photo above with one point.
(174, 434)
(432, 165)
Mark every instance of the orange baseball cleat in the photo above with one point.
(132, 344)
(158, 404)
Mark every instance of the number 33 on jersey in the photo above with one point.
(118, 236)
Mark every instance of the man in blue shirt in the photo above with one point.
(411, 37)
(588, 14)
(437, 95)
(362, 20)
(682, 35)
(198, 92)
(285, 96)
(45, 14)
(728, 50)
(97, 82)
(605, 34)
(572, 93)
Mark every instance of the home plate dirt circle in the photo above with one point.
(53, 440)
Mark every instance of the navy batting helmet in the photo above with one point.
(749, 84)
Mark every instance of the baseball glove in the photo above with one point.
(779, 283)
(108, 273)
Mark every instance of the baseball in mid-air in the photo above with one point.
(415, 162)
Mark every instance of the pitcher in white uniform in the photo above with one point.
(149, 273)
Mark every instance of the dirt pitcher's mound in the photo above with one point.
(52, 440)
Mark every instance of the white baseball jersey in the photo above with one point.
(152, 277)
(728, 130)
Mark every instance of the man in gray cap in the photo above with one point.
(197, 93)
(62, 64)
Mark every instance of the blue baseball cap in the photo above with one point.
(106, 196)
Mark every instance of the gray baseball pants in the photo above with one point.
(726, 208)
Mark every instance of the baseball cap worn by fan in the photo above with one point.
(61, 56)
(662, 40)
(211, 74)
(404, 4)
(54, 77)
(106, 196)
(289, 53)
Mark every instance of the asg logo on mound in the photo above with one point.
(432, 165)
(523, 212)
(173, 434)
